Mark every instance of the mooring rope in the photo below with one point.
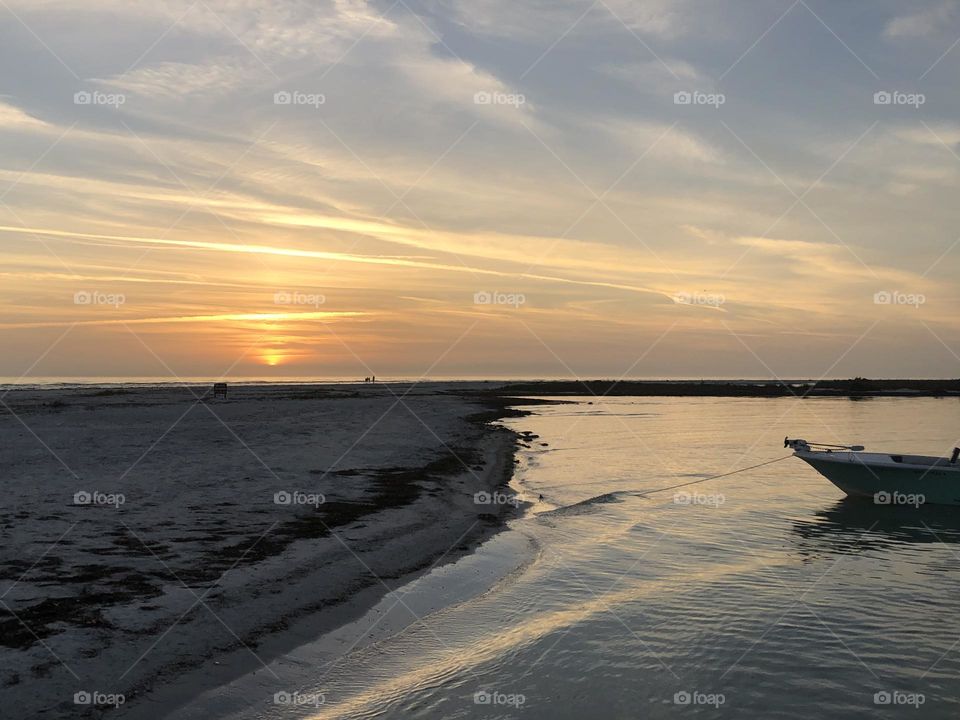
(712, 477)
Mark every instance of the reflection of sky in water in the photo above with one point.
(779, 594)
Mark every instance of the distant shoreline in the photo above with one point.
(502, 390)
(853, 388)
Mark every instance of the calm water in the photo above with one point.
(766, 595)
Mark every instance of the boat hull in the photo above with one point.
(888, 485)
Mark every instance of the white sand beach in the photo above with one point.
(147, 534)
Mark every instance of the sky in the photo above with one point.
(479, 188)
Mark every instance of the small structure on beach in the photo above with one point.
(220, 391)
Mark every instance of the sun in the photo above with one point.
(273, 358)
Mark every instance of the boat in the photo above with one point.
(886, 478)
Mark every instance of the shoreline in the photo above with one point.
(175, 695)
(518, 389)
(855, 388)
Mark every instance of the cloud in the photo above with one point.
(665, 18)
(938, 134)
(927, 22)
(176, 319)
(290, 29)
(535, 19)
(402, 184)
(180, 80)
(528, 20)
(14, 118)
(654, 76)
(839, 262)
(461, 84)
(660, 140)
(355, 258)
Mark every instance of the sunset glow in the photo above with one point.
(536, 359)
(273, 358)
(329, 169)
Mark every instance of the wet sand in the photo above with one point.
(156, 545)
